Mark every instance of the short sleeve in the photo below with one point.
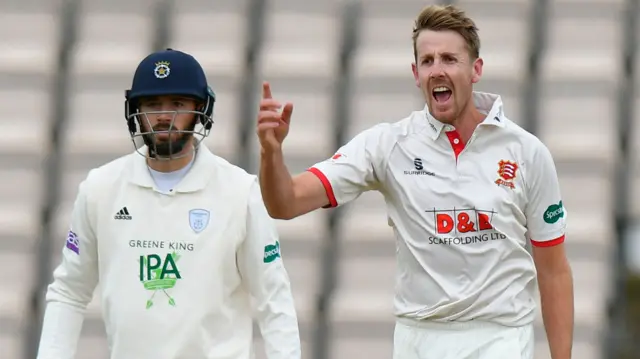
(545, 211)
(355, 168)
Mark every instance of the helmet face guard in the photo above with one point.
(169, 73)
(143, 133)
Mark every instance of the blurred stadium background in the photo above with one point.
(567, 70)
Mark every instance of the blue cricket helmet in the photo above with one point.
(169, 72)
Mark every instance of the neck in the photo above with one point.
(467, 121)
(171, 165)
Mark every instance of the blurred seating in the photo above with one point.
(28, 39)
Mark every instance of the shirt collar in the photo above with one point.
(195, 180)
(488, 103)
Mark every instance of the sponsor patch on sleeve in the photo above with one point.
(73, 243)
(553, 213)
(271, 252)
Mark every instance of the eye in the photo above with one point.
(449, 59)
(151, 104)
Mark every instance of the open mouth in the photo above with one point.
(441, 94)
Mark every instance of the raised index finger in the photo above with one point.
(266, 90)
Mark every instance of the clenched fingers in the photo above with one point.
(269, 119)
(269, 116)
(270, 104)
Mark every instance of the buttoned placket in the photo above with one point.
(456, 142)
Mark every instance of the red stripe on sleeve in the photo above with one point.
(551, 243)
(327, 187)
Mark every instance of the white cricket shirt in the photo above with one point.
(182, 274)
(460, 214)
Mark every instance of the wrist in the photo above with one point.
(270, 153)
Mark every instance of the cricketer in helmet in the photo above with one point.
(169, 105)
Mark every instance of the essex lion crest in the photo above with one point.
(507, 172)
(162, 69)
(198, 219)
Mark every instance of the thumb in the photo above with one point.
(286, 113)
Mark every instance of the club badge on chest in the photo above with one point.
(507, 172)
(198, 219)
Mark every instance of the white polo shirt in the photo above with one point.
(461, 214)
(182, 273)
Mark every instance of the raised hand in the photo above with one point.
(273, 124)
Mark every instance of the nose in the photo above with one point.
(166, 114)
(437, 71)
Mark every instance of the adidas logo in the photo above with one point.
(123, 214)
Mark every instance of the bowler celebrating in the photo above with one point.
(466, 190)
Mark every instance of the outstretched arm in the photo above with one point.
(285, 196)
(330, 183)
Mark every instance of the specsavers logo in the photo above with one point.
(271, 252)
(159, 275)
(553, 213)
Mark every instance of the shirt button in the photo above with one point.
(456, 141)
(449, 128)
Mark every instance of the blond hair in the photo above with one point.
(447, 18)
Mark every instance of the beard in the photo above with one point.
(170, 147)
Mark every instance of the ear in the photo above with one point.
(477, 70)
(416, 77)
